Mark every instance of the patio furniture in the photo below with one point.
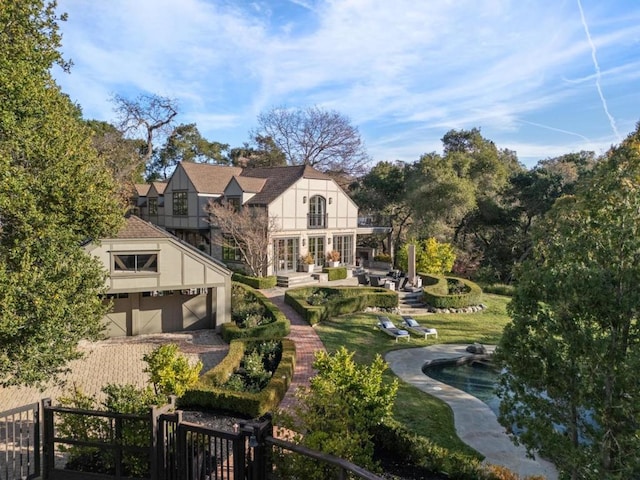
(386, 325)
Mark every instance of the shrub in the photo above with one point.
(382, 257)
(261, 283)
(438, 295)
(499, 289)
(337, 412)
(272, 322)
(432, 256)
(208, 393)
(340, 301)
(394, 440)
(169, 371)
(256, 367)
(125, 399)
(333, 256)
(335, 273)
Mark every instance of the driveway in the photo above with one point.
(119, 360)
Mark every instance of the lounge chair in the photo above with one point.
(413, 326)
(387, 326)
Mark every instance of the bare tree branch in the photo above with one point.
(249, 229)
(147, 116)
(324, 139)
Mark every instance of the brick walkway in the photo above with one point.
(307, 343)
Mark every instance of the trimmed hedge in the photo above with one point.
(208, 393)
(256, 282)
(279, 327)
(340, 301)
(436, 292)
(335, 273)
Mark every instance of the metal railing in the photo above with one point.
(317, 220)
(20, 442)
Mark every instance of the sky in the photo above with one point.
(540, 77)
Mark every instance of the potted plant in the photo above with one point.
(333, 257)
(308, 262)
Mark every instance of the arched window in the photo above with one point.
(317, 212)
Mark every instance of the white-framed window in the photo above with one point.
(344, 245)
(317, 212)
(135, 262)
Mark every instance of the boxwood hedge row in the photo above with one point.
(255, 282)
(279, 327)
(340, 301)
(335, 273)
(436, 292)
(209, 394)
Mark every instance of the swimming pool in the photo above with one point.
(475, 377)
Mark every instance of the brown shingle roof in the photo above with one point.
(278, 179)
(142, 189)
(159, 186)
(209, 178)
(249, 184)
(135, 227)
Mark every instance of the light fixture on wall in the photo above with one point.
(304, 199)
(330, 200)
(303, 242)
(329, 241)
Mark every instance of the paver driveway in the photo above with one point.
(119, 360)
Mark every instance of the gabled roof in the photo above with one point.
(249, 184)
(279, 179)
(159, 186)
(142, 189)
(135, 227)
(207, 178)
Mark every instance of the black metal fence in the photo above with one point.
(20, 443)
(158, 445)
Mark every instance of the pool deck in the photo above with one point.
(475, 423)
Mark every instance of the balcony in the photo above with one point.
(373, 224)
(315, 221)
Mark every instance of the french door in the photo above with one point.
(285, 251)
(316, 248)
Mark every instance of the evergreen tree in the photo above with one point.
(54, 195)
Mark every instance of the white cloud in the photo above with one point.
(404, 66)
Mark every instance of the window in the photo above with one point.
(234, 202)
(344, 245)
(153, 206)
(317, 212)
(135, 262)
(114, 296)
(180, 204)
(230, 251)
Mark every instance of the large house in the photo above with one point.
(313, 214)
(158, 283)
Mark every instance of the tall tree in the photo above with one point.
(324, 139)
(54, 194)
(572, 351)
(186, 144)
(263, 153)
(123, 156)
(149, 117)
(381, 193)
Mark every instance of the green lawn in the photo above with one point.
(422, 413)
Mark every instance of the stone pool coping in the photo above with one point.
(475, 423)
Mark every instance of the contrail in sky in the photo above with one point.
(595, 63)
